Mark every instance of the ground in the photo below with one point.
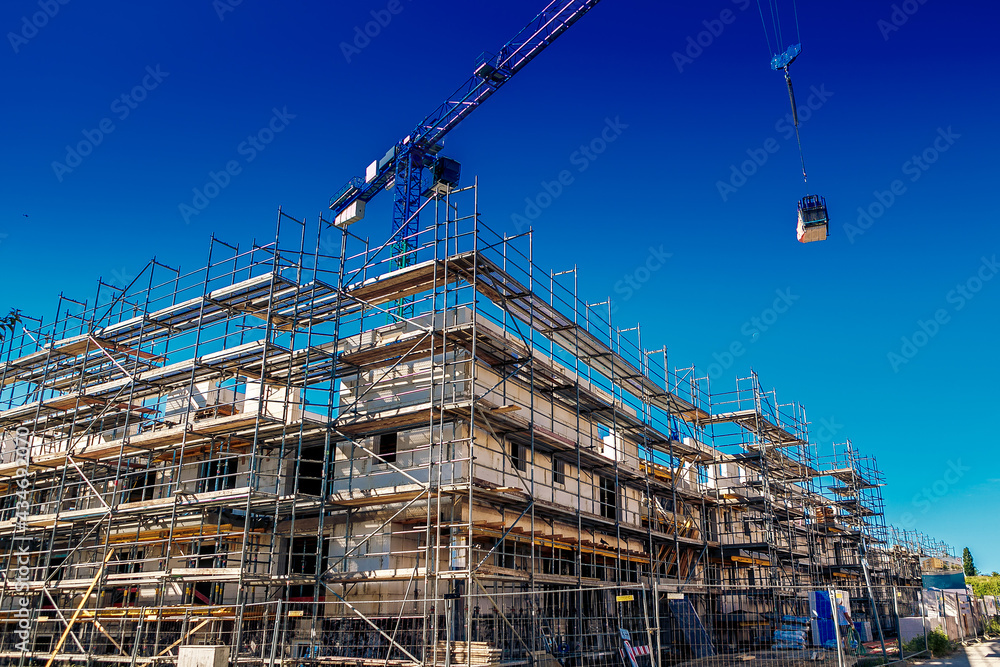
(986, 654)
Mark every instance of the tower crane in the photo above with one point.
(405, 165)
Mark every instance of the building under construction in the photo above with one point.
(318, 450)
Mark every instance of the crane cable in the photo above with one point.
(776, 25)
(764, 24)
(772, 7)
(795, 118)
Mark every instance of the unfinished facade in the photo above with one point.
(312, 452)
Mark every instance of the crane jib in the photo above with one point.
(510, 59)
(534, 38)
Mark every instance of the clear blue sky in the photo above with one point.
(886, 95)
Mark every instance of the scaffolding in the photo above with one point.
(165, 425)
(265, 454)
(855, 541)
(764, 474)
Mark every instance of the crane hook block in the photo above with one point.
(783, 60)
(814, 221)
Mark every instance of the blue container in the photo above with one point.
(827, 633)
(821, 605)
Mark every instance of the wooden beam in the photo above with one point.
(79, 608)
(186, 635)
(100, 627)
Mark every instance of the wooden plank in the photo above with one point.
(224, 424)
(401, 284)
(204, 573)
(71, 401)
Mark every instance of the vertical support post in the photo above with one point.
(429, 642)
(656, 611)
(959, 618)
(649, 630)
(835, 612)
(274, 637)
(471, 389)
(448, 631)
(138, 638)
(895, 609)
(923, 617)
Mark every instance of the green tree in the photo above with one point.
(968, 563)
(9, 322)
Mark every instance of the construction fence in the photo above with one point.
(553, 626)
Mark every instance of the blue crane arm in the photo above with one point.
(551, 22)
(489, 76)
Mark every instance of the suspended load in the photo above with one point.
(814, 221)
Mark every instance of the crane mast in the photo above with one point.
(406, 164)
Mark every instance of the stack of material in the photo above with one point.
(482, 654)
(792, 633)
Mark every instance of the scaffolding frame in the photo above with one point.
(268, 453)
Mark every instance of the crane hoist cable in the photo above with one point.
(782, 61)
(795, 121)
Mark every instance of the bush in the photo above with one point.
(984, 585)
(937, 641)
(992, 627)
(914, 646)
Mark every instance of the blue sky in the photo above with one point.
(882, 92)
